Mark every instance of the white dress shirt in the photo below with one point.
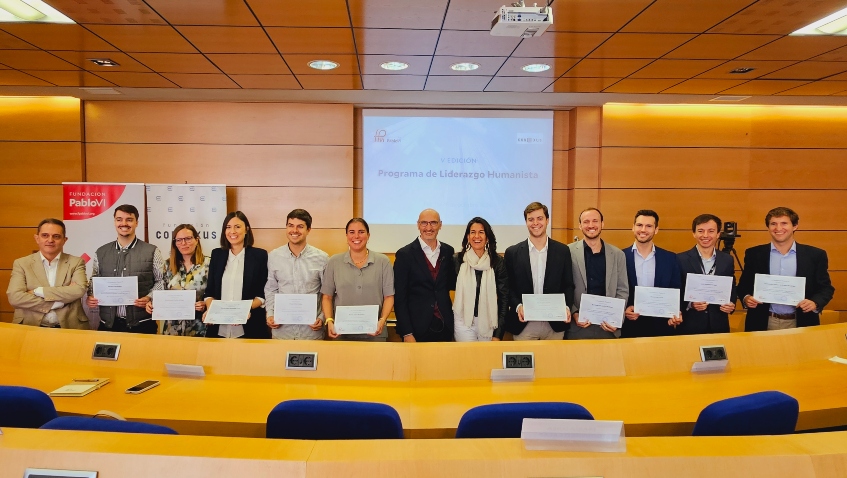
(232, 283)
(538, 264)
(50, 268)
(645, 267)
(431, 254)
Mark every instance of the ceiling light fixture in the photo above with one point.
(535, 67)
(394, 65)
(730, 99)
(30, 11)
(742, 70)
(835, 24)
(465, 66)
(103, 62)
(323, 65)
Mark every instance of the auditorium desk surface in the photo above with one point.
(644, 382)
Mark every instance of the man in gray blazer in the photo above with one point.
(598, 269)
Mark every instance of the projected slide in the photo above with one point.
(461, 163)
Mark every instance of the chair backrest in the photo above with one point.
(333, 420)
(22, 407)
(106, 425)
(763, 413)
(504, 420)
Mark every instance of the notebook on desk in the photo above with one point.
(80, 387)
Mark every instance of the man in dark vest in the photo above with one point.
(424, 275)
(128, 256)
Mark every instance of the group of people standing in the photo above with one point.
(45, 287)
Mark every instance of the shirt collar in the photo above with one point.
(426, 247)
(304, 251)
(349, 259)
(130, 246)
(237, 256)
(714, 254)
(49, 263)
(793, 248)
(543, 249)
(635, 250)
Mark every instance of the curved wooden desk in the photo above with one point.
(644, 382)
(819, 455)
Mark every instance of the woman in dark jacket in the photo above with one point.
(482, 288)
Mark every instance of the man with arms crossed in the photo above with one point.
(296, 268)
(705, 258)
(598, 269)
(128, 256)
(423, 278)
(783, 256)
(649, 266)
(45, 287)
(539, 265)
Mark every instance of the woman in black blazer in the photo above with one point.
(238, 254)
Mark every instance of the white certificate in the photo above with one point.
(235, 312)
(706, 288)
(656, 302)
(295, 309)
(110, 291)
(598, 309)
(174, 304)
(773, 289)
(545, 307)
(358, 319)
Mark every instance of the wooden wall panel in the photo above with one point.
(218, 123)
(561, 131)
(4, 300)
(32, 162)
(244, 165)
(267, 207)
(17, 242)
(40, 119)
(26, 206)
(331, 241)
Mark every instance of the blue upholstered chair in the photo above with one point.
(22, 407)
(763, 413)
(504, 420)
(105, 425)
(333, 420)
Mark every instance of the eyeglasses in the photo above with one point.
(428, 223)
(183, 240)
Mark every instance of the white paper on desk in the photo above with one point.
(235, 312)
(298, 309)
(356, 319)
(598, 309)
(656, 302)
(708, 288)
(174, 304)
(774, 289)
(544, 307)
(113, 291)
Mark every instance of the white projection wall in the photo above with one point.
(461, 163)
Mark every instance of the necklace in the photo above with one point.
(363, 261)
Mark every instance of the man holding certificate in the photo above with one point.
(294, 276)
(125, 274)
(708, 281)
(599, 275)
(649, 267)
(802, 291)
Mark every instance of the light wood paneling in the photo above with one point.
(587, 126)
(331, 241)
(560, 169)
(242, 165)
(39, 119)
(6, 317)
(40, 162)
(218, 123)
(17, 242)
(585, 163)
(5, 275)
(561, 130)
(26, 206)
(266, 207)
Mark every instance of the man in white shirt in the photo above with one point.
(295, 268)
(46, 287)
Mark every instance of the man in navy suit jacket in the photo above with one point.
(783, 256)
(649, 266)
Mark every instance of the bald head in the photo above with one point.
(429, 223)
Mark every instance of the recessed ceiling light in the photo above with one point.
(835, 24)
(535, 67)
(30, 11)
(323, 64)
(467, 66)
(103, 62)
(394, 65)
(742, 70)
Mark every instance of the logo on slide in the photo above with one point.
(530, 138)
(381, 136)
(83, 201)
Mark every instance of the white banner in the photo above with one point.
(201, 205)
(89, 218)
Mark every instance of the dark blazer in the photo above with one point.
(812, 263)
(255, 276)
(501, 281)
(415, 293)
(558, 279)
(711, 320)
(668, 277)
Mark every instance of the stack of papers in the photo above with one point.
(80, 387)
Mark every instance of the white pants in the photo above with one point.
(539, 331)
(463, 333)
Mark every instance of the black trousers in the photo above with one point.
(119, 325)
(438, 332)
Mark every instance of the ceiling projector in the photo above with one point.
(521, 21)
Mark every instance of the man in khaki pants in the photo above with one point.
(46, 287)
